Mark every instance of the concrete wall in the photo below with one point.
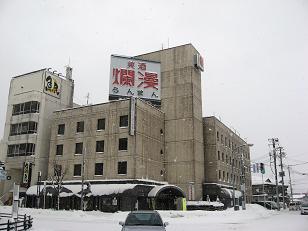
(143, 155)
(213, 145)
(181, 103)
(24, 88)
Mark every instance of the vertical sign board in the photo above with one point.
(25, 178)
(52, 85)
(130, 77)
(199, 62)
(132, 117)
(15, 201)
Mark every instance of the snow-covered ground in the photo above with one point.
(255, 218)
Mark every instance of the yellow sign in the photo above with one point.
(52, 86)
(184, 204)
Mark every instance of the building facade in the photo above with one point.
(182, 104)
(227, 162)
(33, 97)
(130, 139)
(100, 135)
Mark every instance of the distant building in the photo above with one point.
(269, 193)
(33, 97)
(227, 159)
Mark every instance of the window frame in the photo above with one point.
(119, 163)
(57, 146)
(60, 130)
(95, 169)
(75, 169)
(123, 123)
(96, 146)
(98, 127)
(80, 127)
(76, 144)
(119, 146)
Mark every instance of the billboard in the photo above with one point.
(131, 77)
(51, 85)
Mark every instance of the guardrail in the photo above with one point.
(23, 222)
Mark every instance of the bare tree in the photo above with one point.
(57, 179)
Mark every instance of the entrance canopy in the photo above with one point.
(166, 189)
(229, 193)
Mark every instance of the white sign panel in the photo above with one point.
(130, 77)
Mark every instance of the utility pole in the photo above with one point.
(273, 142)
(290, 183)
(282, 154)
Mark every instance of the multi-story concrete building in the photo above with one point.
(182, 104)
(132, 139)
(100, 136)
(33, 97)
(227, 162)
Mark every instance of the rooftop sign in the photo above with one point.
(130, 77)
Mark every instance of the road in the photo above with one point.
(255, 218)
(282, 221)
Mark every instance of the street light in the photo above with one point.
(242, 174)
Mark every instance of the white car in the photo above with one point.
(143, 220)
(304, 207)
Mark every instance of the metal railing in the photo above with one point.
(23, 222)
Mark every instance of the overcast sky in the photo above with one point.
(256, 53)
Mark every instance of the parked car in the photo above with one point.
(143, 220)
(304, 207)
(267, 204)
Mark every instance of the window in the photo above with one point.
(35, 106)
(61, 129)
(123, 144)
(218, 155)
(122, 167)
(78, 148)
(223, 157)
(123, 121)
(101, 124)
(80, 126)
(25, 108)
(99, 169)
(227, 159)
(77, 170)
(222, 139)
(59, 150)
(23, 128)
(223, 175)
(57, 170)
(100, 146)
(217, 134)
(226, 141)
(219, 174)
(24, 149)
(227, 177)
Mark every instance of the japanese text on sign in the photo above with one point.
(132, 77)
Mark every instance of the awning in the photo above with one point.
(237, 194)
(157, 189)
(89, 190)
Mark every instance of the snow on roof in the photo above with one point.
(96, 189)
(157, 188)
(205, 203)
(107, 189)
(237, 194)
